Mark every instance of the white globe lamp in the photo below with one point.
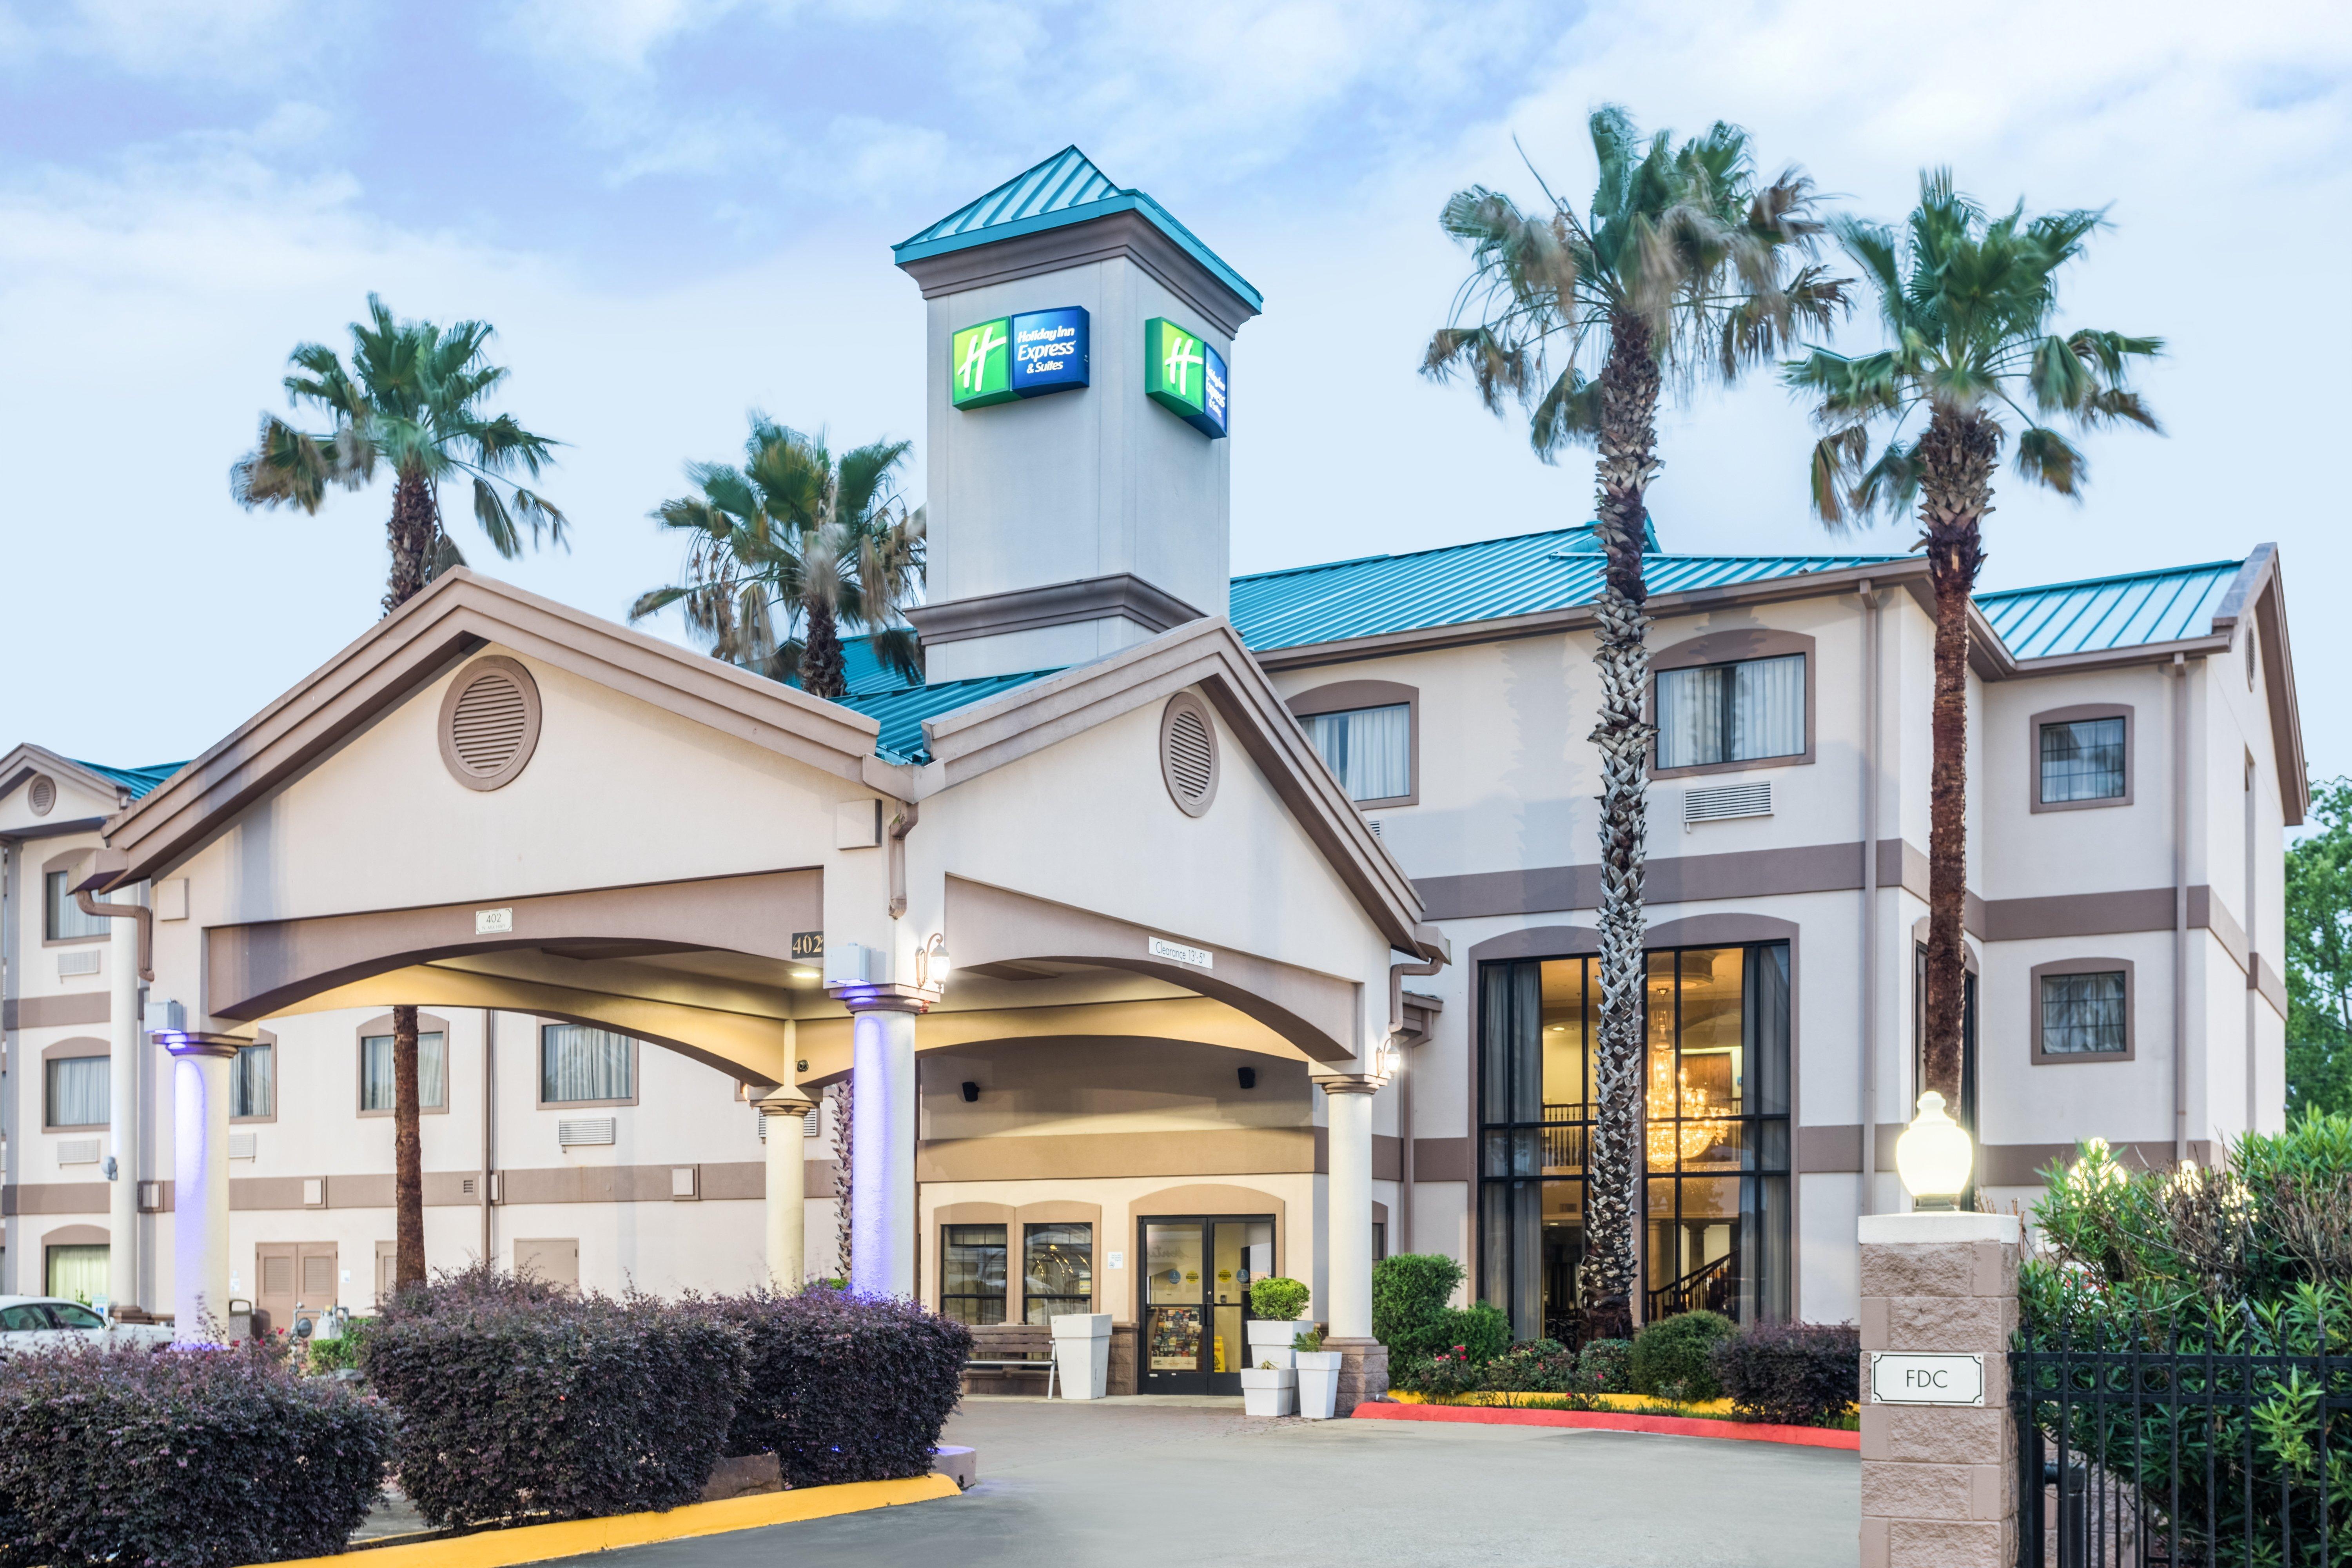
(1933, 1156)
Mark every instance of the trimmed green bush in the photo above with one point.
(1673, 1357)
(180, 1458)
(1479, 1332)
(1279, 1297)
(1607, 1365)
(1410, 1292)
(1800, 1374)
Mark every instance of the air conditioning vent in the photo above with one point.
(489, 723)
(73, 963)
(1727, 802)
(77, 1151)
(243, 1146)
(585, 1130)
(43, 794)
(1188, 753)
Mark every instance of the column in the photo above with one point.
(784, 1114)
(1938, 1480)
(123, 1112)
(882, 1238)
(200, 1066)
(1348, 1314)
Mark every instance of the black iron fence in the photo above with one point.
(2210, 1436)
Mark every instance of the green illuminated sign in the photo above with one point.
(980, 364)
(1186, 375)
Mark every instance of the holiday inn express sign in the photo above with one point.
(1015, 357)
(1185, 375)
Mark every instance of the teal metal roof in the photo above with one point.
(1459, 584)
(903, 710)
(138, 780)
(2102, 613)
(1066, 188)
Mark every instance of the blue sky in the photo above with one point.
(674, 210)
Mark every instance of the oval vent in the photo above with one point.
(489, 722)
(43, 794)
(1188, 753)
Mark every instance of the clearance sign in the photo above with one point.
(1015, 357)
(1185, 375)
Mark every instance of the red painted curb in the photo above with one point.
(1610, 1421)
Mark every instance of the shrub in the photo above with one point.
(1801, 1374)
(1480, 1332)
(322, 1356)
(1536, 1366)
(841, 1387)
(1440, 1376)
(517, 1403)
(1671, 1356)
(1607, 1365)
(1279, 1297)
(1410, 1292)
(180, 1458)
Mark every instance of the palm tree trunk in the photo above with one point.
(1628, 462)
(416, 522)
(407, 1156)
(1956, 458)
(821, 653)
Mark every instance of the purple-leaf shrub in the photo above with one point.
(1800, 1374)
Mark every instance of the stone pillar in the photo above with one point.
(784, 1113)
(1347, 1245)
(200, 1172)
(1939, 1482)
(123, 1041)
(882, 1137)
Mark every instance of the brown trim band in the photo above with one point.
(1837, 1151)
(1120, 596)
(73, 1008)
(1081, 1156)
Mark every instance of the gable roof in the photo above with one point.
(1064, 189)
(2102, 613)
(122, 786)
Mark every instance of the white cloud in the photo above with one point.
(244, 40)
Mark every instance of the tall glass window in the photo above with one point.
(972, 1273)
(1732, 712)
(1057, 1271)
(1371, 748)
(578, 1063)
(1716, 1136)
(253, 1082)
(61, 917)
(432, 1072)
(78, 1091)
(2082, 759)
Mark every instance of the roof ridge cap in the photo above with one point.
(2113, 577)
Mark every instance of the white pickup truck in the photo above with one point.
(45, 1322)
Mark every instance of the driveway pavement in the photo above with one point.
(1148, 1481)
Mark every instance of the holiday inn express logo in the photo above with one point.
(1013, 357)
(1185, 375)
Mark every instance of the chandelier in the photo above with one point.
(1666, 1136)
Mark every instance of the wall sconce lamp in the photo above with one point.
(932, 963)
(1933, 1156)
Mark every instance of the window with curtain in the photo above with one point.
(2082, 759)
(62, 918)
(1371, 748)
(2083, 1015)
(972, 1273)
(577, 1063)
(1741, 713)
(77, 1091)
(432, 1072)
(1057, 1270)
(253, 1082)
(76, 1273)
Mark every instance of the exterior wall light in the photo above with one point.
(1933, 1156)
(932, 963)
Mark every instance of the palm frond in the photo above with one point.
(2050, 460)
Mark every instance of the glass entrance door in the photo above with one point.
(1196, 1277)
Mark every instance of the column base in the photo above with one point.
(1363, 1372)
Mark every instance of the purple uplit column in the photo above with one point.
(882, 1152)
(200, 1184)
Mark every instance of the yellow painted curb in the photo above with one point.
(1614, 1401)
(539, 1542)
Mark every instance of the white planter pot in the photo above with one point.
(1270, 1333)
(1082, 1353)
(1265, 1393)
(1318, 1382)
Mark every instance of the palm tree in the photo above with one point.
(1688, 267)
(1967, 301)
(830, 541)
(412, 400)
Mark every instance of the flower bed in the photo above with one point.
(1617, 1421)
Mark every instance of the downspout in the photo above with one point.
(910, 813)
(1869, 896)
(2179, 911)
(124, 972)
(1401, 1241)
(12, 855)
(489, 1114)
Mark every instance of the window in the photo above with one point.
(2082, 759)
(2084, 1015)
(972, 1273)
(78, 1089)
(1370, 750)
(1741, 713)
(579, 1064)
(253, 1082)
(1716, 1111)
(63, 920)
(76, 1273)
(432, 1072)
(1057, 1270)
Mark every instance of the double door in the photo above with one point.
(1196, 1276)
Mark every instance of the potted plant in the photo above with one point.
(1277, 1302)
(1318, 1374)
(1270, 1390)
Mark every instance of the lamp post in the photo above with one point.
(1933, 1156)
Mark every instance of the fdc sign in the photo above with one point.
(1185, 375)
(1015, 357)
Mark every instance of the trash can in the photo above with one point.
(1082, 1353)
